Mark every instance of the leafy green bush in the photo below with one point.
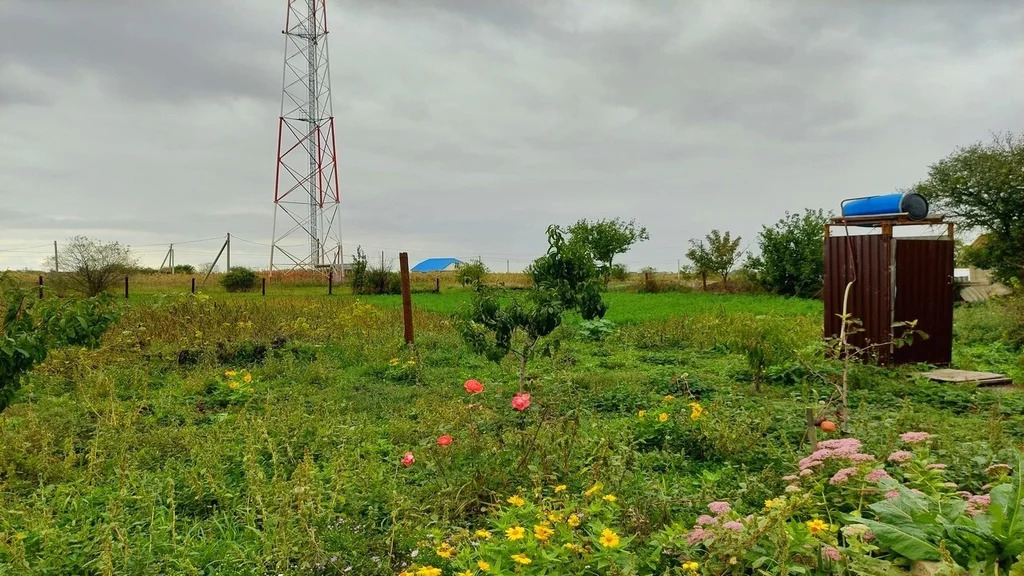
(368, 279)
(239, 280)
(791, 262)
(597, 329)
(30, 328)
(472, 273)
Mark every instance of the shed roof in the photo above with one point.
(435, 264)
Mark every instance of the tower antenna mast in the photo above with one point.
(307, 229)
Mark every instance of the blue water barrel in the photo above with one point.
(913, 205)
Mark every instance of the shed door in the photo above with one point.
(924, 292)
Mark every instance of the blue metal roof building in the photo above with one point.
(436, 265)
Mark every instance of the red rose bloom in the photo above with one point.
(473, 387)
(444, 440)
(521, 402)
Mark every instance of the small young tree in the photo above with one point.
(607, 238)
(564, 279)
(472, 273)
(725, 253)
(702, 259)
(791, 262)
(92, 267)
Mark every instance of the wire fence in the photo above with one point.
(256, 255)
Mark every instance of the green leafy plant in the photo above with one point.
(30, 328)
(368, 279)
(597, 329)
(606, 239)
(791, 261)
(472, 273)
(566, 278)
(239, 279)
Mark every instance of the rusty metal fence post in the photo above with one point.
(403, 259)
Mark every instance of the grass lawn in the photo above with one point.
(148, 455)
(631, 308)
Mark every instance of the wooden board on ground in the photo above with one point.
(967, 376)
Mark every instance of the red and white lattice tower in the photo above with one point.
(307, 230)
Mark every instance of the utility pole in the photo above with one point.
(56, 263)
(229, 252)
(171, 252)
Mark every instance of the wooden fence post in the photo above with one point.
(264, 288)
(193, 284)
(40, 287)
(126, 287)
(403, 259)
(330, 282)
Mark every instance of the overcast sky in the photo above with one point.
(466, 127)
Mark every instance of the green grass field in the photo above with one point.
(632, 308)
(143, 457)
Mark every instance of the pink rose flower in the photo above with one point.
(444, 440)
(521, 402)
(473, 387)
(408, 459)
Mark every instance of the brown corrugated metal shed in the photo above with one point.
(896, 279)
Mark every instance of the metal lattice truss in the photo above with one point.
(307, 231)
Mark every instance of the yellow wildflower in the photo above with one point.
(574, 520)
(695, 410)
(817, 526)
(662, 417)
(465, 573)
(609, 498)
(230, 373)
(484, 534)
(250, 390)
(594, 489)
(428, 571)
(233, 385)
(560, 488)
(483, 566)
(573, 547)
(608, 538)
(393, 361)
(247, 378)
(669, 398)
(515, 533)
(690, 566)
(405, 573)
(542, 532)
(445, 550)
(516, 500)
(411, 362)
(522, 559)
(555, 517)
(641, 414)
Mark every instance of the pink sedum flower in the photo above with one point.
(915, 437)
(733, 525)
(877, 475)
(705, 520)
(698, 535)
(719, 508)
(900, 456)
(830, 553)
(892, 495)
(842, 476)
(936, 466)
(792, 488)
